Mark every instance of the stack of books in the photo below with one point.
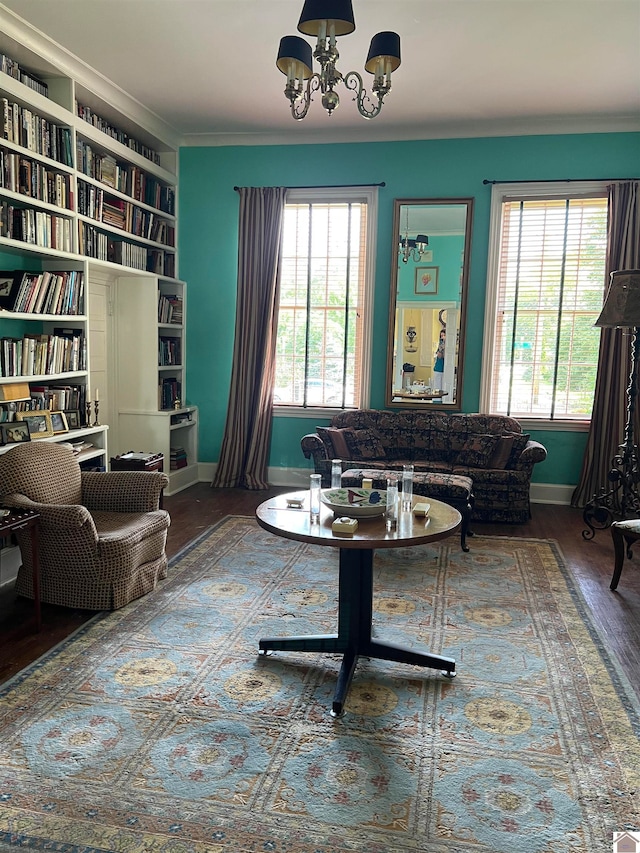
(178, 458)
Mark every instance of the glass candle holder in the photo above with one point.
(407, 486)
(315, 484)
(336, 473)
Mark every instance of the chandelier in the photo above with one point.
(328, 19)
(410, 249)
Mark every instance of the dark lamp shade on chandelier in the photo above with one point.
(622, 304)
(384, 47)
(295, 57)
(317, 14)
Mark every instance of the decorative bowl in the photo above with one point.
(355, 503)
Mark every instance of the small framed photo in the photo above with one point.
(14, 431)
(59, 423)
(426, 280)
(73, 418)
(39, 423)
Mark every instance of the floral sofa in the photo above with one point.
(490, 449)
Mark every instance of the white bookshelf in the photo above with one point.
(125, 265)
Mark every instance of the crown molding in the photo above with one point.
(381, 133)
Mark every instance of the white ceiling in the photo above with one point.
(469, 67)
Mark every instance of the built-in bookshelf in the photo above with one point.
(88, 186)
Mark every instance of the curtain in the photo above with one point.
(245, 444)
(608, 418)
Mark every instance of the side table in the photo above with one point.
(26, 519)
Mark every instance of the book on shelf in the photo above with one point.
(12, 391)
(177, 458)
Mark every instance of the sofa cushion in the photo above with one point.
(477, 450)
(335, 441)
(364, 444)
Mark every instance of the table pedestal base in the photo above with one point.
(354, 638)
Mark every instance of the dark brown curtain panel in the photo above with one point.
(608, 418)
(245, 446)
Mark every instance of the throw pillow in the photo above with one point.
(520, 441)
(335, 441)
(365, 444)
(502, 451)
(477, 450)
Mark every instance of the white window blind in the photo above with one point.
(549, 290)
(321, 322)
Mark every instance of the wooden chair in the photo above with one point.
(101, 536)
(623, 532)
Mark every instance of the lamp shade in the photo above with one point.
(422, 238)
(384, 46)
(622, 303)
(295, 50)
(336, 12)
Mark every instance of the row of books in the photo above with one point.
(22, 175)
(14, 69)
(35, 226)
(24, 127)
(97, 244)
(169, 351)
(169, 390)
(169, 308)
(88, 115)
(177, 458)
(60, 398)
(42, 355)
(55, 398)
(124, 177)
(42, 292)
(118, 213)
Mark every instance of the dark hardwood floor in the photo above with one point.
(617, 614)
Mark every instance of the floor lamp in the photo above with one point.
(621, 309)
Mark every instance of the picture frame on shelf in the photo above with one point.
(59, 423)
(426, 282)
(38, 422)
(10, 281)
(14, 432)
(73, 418)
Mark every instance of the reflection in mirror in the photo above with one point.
(430, 267)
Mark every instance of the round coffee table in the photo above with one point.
(355, 581)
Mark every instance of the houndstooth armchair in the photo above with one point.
(101, 536)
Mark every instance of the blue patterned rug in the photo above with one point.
(158, 728)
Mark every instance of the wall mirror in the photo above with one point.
(427, 317)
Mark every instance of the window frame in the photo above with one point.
(343, 195)
(501, 192)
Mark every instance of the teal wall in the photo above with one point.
(208, 210)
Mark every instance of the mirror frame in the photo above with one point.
(398, 204)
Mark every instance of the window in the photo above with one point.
(326, 287)
(545, 288)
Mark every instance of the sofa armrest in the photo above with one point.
(123, 491)
(313, 448)
(533, 452)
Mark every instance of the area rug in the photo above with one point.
(159, 728)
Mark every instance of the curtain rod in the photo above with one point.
(559, 180)
(330, 186)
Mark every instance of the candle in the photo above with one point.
(97, 394)
(88, 393)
